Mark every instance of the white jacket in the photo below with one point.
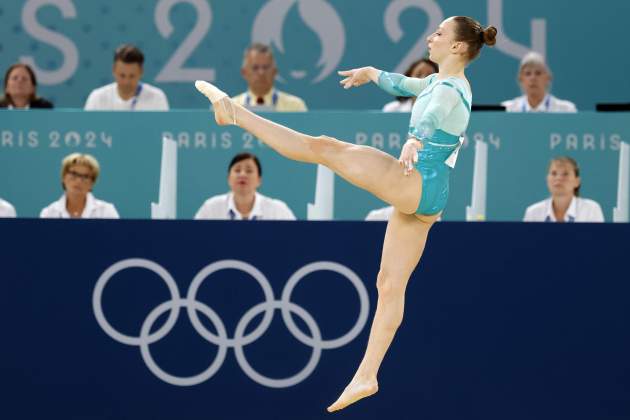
(94, 209)
(222, 207)
(580, 210)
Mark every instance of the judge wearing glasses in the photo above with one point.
(259, 71)
(79, 173)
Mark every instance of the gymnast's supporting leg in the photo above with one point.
(378, 173)
(404, 243)
(365, 167)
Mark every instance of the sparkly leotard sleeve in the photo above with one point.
(399, 85)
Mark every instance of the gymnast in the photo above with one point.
(416, 184)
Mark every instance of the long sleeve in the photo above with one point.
(444, 98)
(399, 85)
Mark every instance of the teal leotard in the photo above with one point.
(439, 118)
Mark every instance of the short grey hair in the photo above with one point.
(259, 48)
(535, 59)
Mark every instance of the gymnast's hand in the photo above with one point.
(358, 77)
(409, 155)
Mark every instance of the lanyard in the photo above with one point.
(569, 218)
(232, 215)
(134, 101)
(274, 99)
(547, 103)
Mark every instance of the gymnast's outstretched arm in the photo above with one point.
(392, 83)
(399, 85)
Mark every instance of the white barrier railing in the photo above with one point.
(166, 208)
(620, 212)
(477, 209)
(322, 208)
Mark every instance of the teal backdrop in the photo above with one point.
(71, 44)
(128, 147)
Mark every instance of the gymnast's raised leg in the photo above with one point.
(363, 166)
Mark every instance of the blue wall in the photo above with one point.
(128, 146)
(72, 44)
(503, 321)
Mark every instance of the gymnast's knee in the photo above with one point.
(323, 144)
(389, 285)
(324, 147)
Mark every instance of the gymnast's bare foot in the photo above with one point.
(224, 108)
(356, 390)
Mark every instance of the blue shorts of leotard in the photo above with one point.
(435, 172)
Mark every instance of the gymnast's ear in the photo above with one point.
(459, 48)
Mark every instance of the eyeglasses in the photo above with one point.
(82, 177)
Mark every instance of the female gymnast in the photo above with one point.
(418, 191)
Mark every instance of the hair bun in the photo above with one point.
(490, 36)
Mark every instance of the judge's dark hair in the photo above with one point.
(129, 54)
(244, 156)
(7, 97)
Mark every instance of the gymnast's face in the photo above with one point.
(561, 179)
(244, 178)
(127, 77)
(441, 43)
(259, 70)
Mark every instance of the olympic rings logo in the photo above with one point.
(221, 339)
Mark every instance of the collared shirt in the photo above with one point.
(147, 98)
(94, 209)
(6, 209)
(274, 100)
(222, 207)
(580, 210)
(549, 104)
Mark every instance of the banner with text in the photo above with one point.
(71, 44)
(128, 147)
